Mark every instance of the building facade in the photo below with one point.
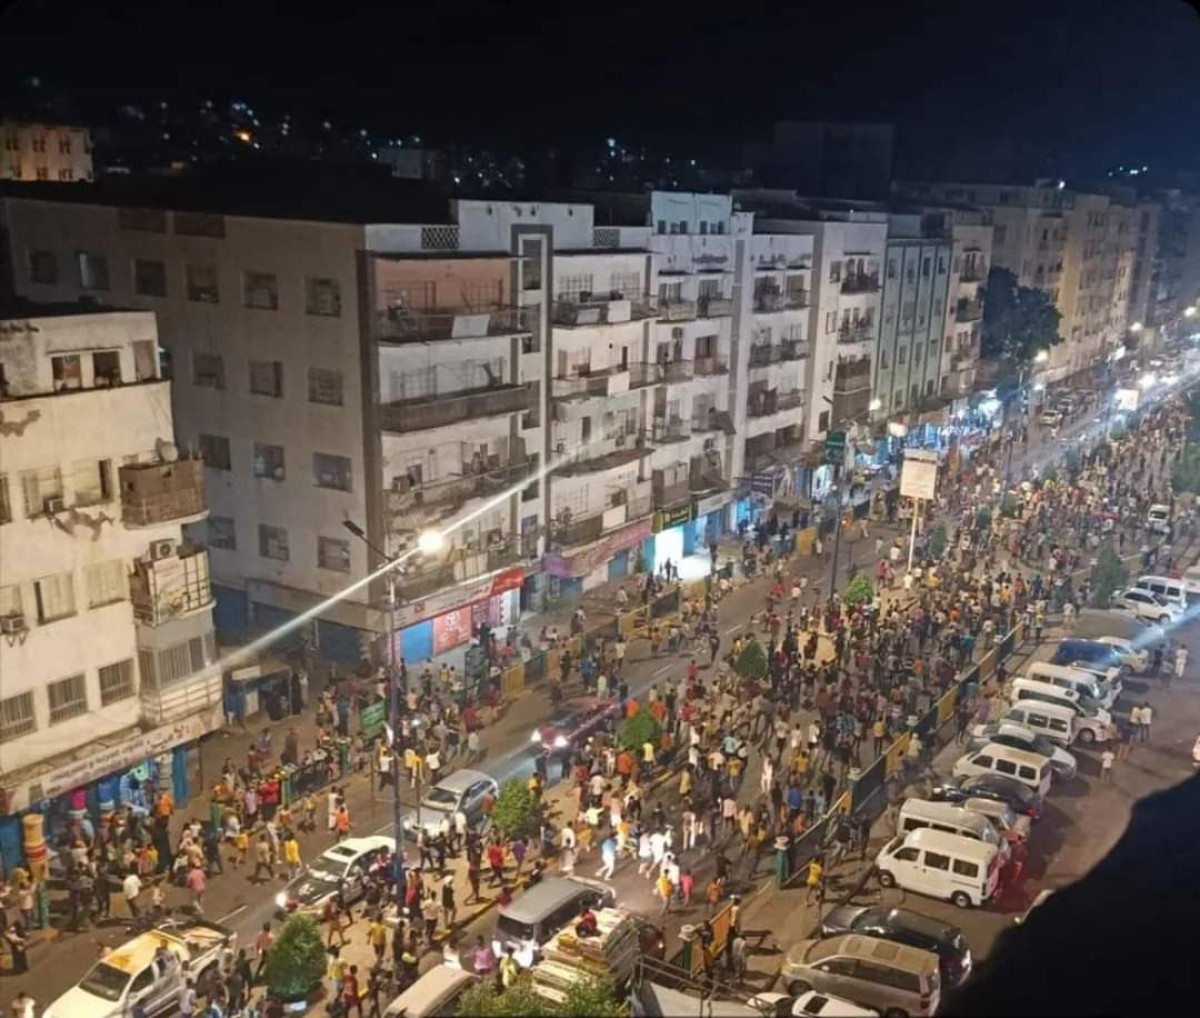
(45, 152)
(106, 630)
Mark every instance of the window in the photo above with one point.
(1005, 767)
(149, 278)
(965, 868)
(323, 297)
(325, 386)
(66, 175)
(883, 359)
(983, 760)
(105, 583)
(891, 268)
(208, 370)
(6, 515)
(221, 533)
(835, 272)
(661, 226)
(92, 481)
(116, 682)
(43, 267)
(201, 282)
(93, 271)
(573, 288)
(266, 378)
(937, 862)
(333, 554)
(268, 461)
(42, 173)
(214, 450)
(902, 355)
(926, 267)
(43, 490)
(273, 542)
(16, 717)
(10, 601)
(55, 597)
(333, 471)
(106, 368)
(260, 290)
(823, 421)
(906, 855)
(68, 698)
(831, 321)
(202, 651)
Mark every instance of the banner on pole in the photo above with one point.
(918, 476)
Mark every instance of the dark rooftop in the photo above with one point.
(267, 189)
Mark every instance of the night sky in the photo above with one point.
(1079, 84)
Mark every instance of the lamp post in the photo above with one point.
(393, 709)
(1039, 358)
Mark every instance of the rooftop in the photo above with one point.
(12, 308)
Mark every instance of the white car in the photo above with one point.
(780, 1005)
(342, 868)
(1144, 605)
(1136, 660)
(1158, 519)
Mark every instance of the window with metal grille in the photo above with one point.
(55, 597)
(325, 386)
(147, 666)
(93, 271)
(10, 601)
(266, 378)
(43, 267)
(17, 717)
(260, 290)
(323, 297)
(174, 664)
(333, 554)
(214, 450)
(332, 471)
(202, 283)
(222, 533)
(208, 370)
(268, 461)
(67, 698)
(273, 542)
(198, 653)
(574, 288)
(106, 583)
(149, 278)
(116, 682)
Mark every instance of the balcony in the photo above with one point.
(764, 404)
(448, 494)
(764, 354)
(608, 454)
(969, 310)
(768, 302)
(706, 473)
(590, 310)
(400, 325)
(676, 309)
(864, 283)
(707, 366)
(444, 409)
(716, 307)
(670, 372)
(848, 384)
(170, 583)
(588, 384)
(670, 488)
(796, 299)
(972, 273)
(420, 578)
(668, 430)
(162, 704)
(155, 493)
(620, 507)
(862, 332)
(794, 350)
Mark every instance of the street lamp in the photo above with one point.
(875, 405)
(393, 706)
(1190, 311)
(1135, 328)
(430, 542)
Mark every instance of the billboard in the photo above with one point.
(918, 476)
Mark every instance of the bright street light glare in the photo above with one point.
(1136, 327)
(1041, 357)
(1189, 312)
(430, 542)
(876, 404)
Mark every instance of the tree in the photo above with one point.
(752, 662)
(1018, 321)
(937, 542)
(859, 590)
(643, 727)
(486, 1000)
(1050, 474)
(516, 808)
(1108, 576)
(594, 997)
(296, 960)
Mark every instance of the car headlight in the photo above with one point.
(281, 899)
(536, 736)
(560, 742)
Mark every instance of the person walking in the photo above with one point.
(1106, 763)
(815, 881)
(131, 887)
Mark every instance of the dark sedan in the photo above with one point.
(904, 927)
(1021, 798)
(574, 722)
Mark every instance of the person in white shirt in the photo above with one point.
(131, 887)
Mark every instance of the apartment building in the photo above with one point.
(45, 152)
(1178, 282)
(106, 630)
(1147, 264)
(916, 303)
(972, 235)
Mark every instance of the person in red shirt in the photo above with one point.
(495, 854)
(351, 993)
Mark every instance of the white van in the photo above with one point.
(1028, 768)
(436, 993)
(1191, 582)
(1158, 519)
(941, 865)
(1165, 587)
(1070, 677)
(1091, 723)
(921, 814)
(1048, 719)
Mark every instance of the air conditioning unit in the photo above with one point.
(10, 625)
(161, 549)
(54, 504)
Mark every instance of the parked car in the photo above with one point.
(1021, 798)
(905, 927)
(825, 1005)
(879, 973)
(1144, 605)
(1009, 733)
(1012, 826)
(573, 722)
(1094, 652)
(463, 789)
(340, 868)
(1132, 657)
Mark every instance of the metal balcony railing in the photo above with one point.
(669, 494)
(716, 307)
(795, 299)
(969, 310)
(764, 354)
(794, 350)
(768, 301)
(154, 493)
(864, 283)
(452, 407)
(578, 530)
(398, 325)
(972, 274)
(705, 366)
(604, 381)
(669, 429)
(614, 310)
(451, 492)
(673, 371)
(860, 333)
(163, 593)
(765, 404)
(676, 309)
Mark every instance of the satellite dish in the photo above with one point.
(167, 451)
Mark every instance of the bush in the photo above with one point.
(936, 545)
(859, 590)
(295, 963)
(588, 998)
(1186, 474)
(1108, 576)
(752, 662)
(516, 808)
(643, 727)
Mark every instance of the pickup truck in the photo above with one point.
(151, 970)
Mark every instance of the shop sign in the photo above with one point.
(452, 629)
(101, 761)
(371, 719)
(763, 484)
(835, 448)
(591, 558)
(665, 519)
(460, 596)
(712, 503)
(918, 474)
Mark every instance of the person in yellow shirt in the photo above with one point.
(291, 855)
(509, 969)
(377, 938)
(664, 889)
(241, 848)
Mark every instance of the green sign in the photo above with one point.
(664, 519)
(835, 448)
(371, 719)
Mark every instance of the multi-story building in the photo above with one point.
(106, 631)
(1178, 283)
(918, 299)
(45, 152)
(1147, 264)
(972, 233)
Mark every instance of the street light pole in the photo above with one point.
(393, 711)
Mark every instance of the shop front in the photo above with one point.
(711, 519)
(674, 537)
(451, 618)
(95, 781)
(611, 557)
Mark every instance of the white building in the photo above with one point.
(106, 629)
(45, 152)
(972, 233)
